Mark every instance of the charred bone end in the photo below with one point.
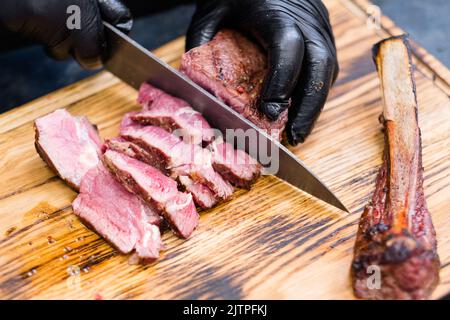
(397, 268)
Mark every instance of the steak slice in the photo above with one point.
(171, 113)
(121, 145)
(233, 68)
(156, 189)
(179, 158)
(69, 145)
(130, 149)
(127, 121)
(235, 166)
(202, 195)
(396, 237)
(118, 215)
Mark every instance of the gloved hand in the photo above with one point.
(45, 21)
(300, 45)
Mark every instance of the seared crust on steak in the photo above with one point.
(233, 68)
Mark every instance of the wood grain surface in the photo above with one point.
(271, 242)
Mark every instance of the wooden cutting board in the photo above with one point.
(271, 242)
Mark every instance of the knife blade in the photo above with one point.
(135, 65)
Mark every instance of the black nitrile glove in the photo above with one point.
(300, 44)
(45, 21)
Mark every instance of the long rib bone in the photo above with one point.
(396, 237)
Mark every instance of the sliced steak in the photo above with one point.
(235, 166)
(130, 149)
(202, 195)
(118, 215)
(156, 189)
(179, 158)
(121, 145)
(396, 237)
(233, 68)
(171, 113)
(127, 121)
(69, 145)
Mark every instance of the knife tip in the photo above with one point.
(341, 206)
(334, 201)
(338, 204)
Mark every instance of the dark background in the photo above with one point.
(27, 73)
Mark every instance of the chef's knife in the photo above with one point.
(134, 64)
